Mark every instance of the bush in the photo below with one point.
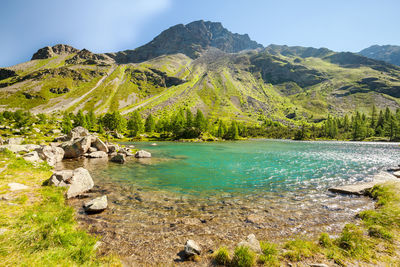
(325, 241)
(243, 257)
(222, 256)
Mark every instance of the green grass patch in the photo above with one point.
(243, 257)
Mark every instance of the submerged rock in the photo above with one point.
(78, 181)
(96, 205)
(192, 248)
(119, 158)
(252, 243)
(143, 154)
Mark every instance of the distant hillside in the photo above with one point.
(388, 53)
(202, 65)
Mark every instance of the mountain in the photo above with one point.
(202, 65)
(387, 53)
(190, 39)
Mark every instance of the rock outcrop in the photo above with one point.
(252, 243)
(119, 158)
(48, 52)
(77, 147)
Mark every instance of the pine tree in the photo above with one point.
(373, 117)
(221, 129)
(66, 125)
(135, 123)
(200, 121)
(178, 122)
(80, 120)
(91, 119)
(189, 118)
(149, 124)
(233, 132)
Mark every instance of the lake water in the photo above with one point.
(218, 193)
(254, 167)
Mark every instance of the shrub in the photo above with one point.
(222, 256)
(243, 257)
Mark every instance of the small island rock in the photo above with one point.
(96, 205)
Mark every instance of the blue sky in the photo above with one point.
(114, 25)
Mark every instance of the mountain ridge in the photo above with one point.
(221, 73)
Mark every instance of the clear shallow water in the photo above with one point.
(254, 167)
(221, 192)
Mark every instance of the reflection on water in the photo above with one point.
(219, 192)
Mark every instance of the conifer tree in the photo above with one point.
(149, 124)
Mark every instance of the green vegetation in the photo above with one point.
(40, 229)
(243, 257)
(222, 257)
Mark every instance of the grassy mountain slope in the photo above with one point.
(279, 82)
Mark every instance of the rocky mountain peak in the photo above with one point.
(387, 53)
(51, 51)
(190, 39)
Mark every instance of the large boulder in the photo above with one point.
(97, 154)
(77, 147)
(51, 154)
(96, 205)
(126, 151)
(112, 148)
(192, 248)
(78, 181)
(252, 243)
(119, 158)
(143, 154)
(99, 145)
(78, 132)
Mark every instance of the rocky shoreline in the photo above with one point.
(148, 227)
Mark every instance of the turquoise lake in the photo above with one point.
(253, 167)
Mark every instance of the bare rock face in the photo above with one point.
(48, 52)
(190, 39)
(15, 141)
(192, 248)
(78, 181)
(77, 147)
(51, 154)
(143, 154)
(96, 205)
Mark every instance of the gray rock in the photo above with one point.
(99, 145)
(112, 148)
(78, 132)
(119, 158)
(51, 154)
(96, 205)
(397, 174)
(363, 188)
(143, 154)
(78, 181)
(98, 154)
(252, 243)
(32, 157)
(77, 147)
(36, 130)
(192, 248)
(17, 186)
(153, 144)
(32, 146)
(318, 265)
(15, 141)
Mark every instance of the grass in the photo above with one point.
(39, 228)
(243, 257)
